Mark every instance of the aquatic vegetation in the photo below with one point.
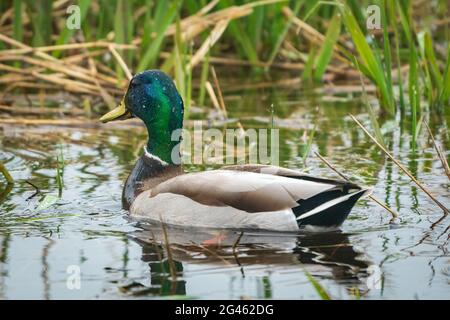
(326, 51)
(323, 294)
(373, 198)
(307, 146)
(176, 37)
(87, 224)
(46, 202)
(440, 152)
(203, 79)
(59, 170)
(6, 174)
(402, 167)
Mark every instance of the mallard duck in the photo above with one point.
(252, 196)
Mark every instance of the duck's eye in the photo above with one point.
(135, 82)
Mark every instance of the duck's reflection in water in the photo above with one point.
(168, 249)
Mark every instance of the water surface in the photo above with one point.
(121, 259)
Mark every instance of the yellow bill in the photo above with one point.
(119, 113)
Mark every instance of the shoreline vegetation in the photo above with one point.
(405, 60)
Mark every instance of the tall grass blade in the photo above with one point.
(430, 91)
(308, 70)
(183, 73)
(393, 23)
(370, 64)
(368, 59)
(40, 14)
(445, 94)
(151, 54)
(119, 32)
(372, 115)
(203, 79)
(59, 178)
(179, 61)
(188, 79)
(17, 21)
(240, 35)
(318, 287)
(386, 47)
(413, 86)
(431, 59)
(17, 25)
(6, 174)
(326, 51)
(282, 35)
(157, 10)
(413, 90)
(256, 24)
(307, 147)
(67, 33)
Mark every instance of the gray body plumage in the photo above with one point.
(243, 197)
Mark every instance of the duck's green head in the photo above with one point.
(153, 98)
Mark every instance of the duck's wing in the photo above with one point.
(234, 198)
(247, 191)
(284, 172)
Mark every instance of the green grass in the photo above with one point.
(240, 34)
(119, 31)
(162, 19)
(368, 60)
(309, 66)
(182, 53)
(9, 179)
(203, 79)
(283, 34)
(17, 21)
(66, 33)
(59, 170)
(445, 93)
(372, 114)
(306, 148)
(326, 51)
(323, 294)
(392, 17)
(413, 78)
(40, 14)
(387, 55)
(261, 36)
(46, 202)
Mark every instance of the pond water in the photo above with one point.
(86, 230)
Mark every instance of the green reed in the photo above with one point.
(283, 34)
(165, 13)
(6, 174)
(17, 21)
(326, 51)
(60, 163)
(203, 79)
(183, 73)
(260, 36)
(323, 294)
(67, 33)
(40, 15)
